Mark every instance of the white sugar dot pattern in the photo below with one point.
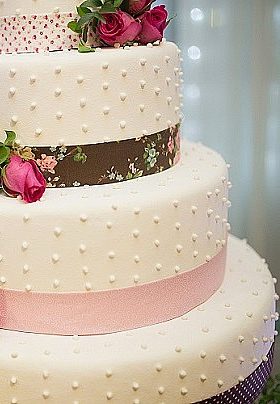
(248, 390)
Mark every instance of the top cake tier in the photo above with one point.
(27, 7)
(36, 25)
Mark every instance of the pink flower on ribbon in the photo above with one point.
(24, 178)
(153, 23)
(119, 27)
(137, 6)
(47, 163)
(170, 144)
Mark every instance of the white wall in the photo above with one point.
(232, 103)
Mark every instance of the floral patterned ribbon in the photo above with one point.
(249, 390)
(109, 162)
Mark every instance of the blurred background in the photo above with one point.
(231, 51)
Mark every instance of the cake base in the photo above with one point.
(248, 390)
(200, 355)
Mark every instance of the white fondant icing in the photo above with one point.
(71, 95)
(169, 362)
(129, 232)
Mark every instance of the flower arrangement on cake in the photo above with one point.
(19, 172)
(118, 23)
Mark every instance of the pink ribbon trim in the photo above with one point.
(108, 311)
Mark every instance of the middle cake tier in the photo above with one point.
(118, 235)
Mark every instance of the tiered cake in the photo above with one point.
(121, 284)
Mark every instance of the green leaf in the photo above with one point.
(88, 18)
(117, 3)
(85, 34)
(11, 137)
(74, 26)
(138, 174)
(100, 17)
(95, 4)
(83, 10)
(4, 154)
(83, 158)
(83, 48)
(108, 8)
(125, 5)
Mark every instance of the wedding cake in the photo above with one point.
(118, 279)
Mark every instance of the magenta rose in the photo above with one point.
(119, 28)
(154, 23)
(137, 6)
(24, 178)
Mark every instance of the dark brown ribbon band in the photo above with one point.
(109, 162)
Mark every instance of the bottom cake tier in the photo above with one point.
(222, 349)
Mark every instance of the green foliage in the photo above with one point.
(5, 147)
(80, 156)
(4, 153)
(10, 138)
(131, 176)
(90, 13)
(271, 393)
(83, 48)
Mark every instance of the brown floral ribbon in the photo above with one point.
(109, 162)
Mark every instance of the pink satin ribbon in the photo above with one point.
(100, 312)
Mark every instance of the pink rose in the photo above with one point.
(137, 6)
(47, 163)
(24, 178)
(154, 23)
(119, 28)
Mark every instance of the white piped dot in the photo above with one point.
(82, 248)
(57, 92)
(182, 374)
(106, 110)
(122, 124)
(84, 128)
(24, 245)
(88, 286)
(32, 79)
(57, 231)
(46, 394)
(111, 255)
(83, 102)
(55, 258)
(13, 72)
